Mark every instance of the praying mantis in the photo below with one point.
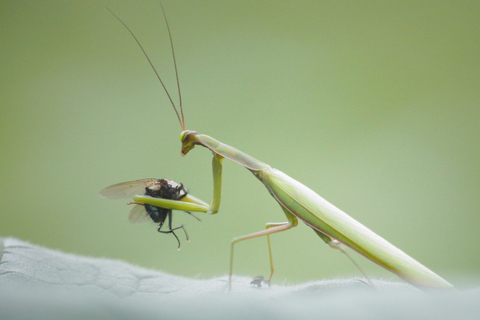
(298, 202)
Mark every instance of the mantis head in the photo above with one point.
(189, 140)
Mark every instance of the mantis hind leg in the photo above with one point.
(335, 244)
(270, 229)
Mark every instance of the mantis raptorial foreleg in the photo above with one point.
(189, 202)
(217, 169)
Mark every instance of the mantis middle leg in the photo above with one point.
(270, 229)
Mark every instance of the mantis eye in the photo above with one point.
(187, 135)
(183, 136)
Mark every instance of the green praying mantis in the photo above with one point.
(298, 202)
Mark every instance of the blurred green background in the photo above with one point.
(374, 105)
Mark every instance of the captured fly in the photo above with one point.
(156, 188)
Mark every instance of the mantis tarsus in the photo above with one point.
(297, 201)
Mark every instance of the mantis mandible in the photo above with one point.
(297, 202)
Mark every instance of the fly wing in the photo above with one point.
(125, 190)
(138, 214)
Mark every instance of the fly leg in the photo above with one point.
(171, 230)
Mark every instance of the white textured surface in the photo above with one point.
(40, 283)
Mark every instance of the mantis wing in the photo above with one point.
(323, 216)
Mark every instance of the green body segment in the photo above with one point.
(187, 203)
(319, 214)
(324, 217)
(231, 153)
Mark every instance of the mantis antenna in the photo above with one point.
(180, 116)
